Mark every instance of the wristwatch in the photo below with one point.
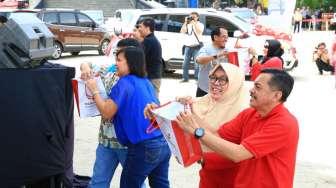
(199, 132)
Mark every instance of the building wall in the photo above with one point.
(108, 6)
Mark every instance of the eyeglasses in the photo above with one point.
(221, 80)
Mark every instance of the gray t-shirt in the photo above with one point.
(203, 76)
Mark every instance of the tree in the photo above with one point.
(314, 4)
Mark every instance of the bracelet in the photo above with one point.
(95, 93)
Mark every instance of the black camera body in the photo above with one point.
(189, 18)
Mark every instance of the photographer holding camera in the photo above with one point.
(194, 29)
(322, 60)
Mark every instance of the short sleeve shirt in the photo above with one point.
(273, 142)
(131, 94)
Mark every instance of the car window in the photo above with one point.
(67, 18)
(84, 21)
(50, 18)
(213, 22)
(175, 23)
(159, 19)
(96, 15)
(245, 14)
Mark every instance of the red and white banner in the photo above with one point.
(185, 147)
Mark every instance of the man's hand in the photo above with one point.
(222, 53)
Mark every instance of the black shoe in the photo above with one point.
(183, 81)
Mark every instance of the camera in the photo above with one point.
(189, 18)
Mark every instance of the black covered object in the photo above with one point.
(36, 137)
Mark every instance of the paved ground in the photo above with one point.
(313, 102)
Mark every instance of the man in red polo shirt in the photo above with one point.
(262, 139)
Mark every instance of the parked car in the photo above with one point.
(74, 31)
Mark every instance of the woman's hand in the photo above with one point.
(148, 110)
(252, 51)
(86, 71)
(187, 121)
(186, 100)
(92, 85)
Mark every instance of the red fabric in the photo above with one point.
(233, 58)
(217, 172)
(274, 63)
(272, 140)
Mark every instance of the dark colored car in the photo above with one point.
(74, 31)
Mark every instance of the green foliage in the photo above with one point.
(314, 4)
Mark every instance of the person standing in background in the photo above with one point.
(297, 17)
(194, 29)
(153, 52)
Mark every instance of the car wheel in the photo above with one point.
(58, 50)
(74, 53)
(103, 47)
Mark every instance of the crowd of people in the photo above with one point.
(237, 141)
(305, 18)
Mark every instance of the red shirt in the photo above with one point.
(273, 142)
(274, 63)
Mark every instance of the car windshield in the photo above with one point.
(241, 23)
(244, 14)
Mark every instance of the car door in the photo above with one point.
(91, 35)
(69, 32)
(52, 22)
(174, 39)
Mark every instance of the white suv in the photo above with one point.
(168, 25)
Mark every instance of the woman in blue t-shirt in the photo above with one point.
(148, 153)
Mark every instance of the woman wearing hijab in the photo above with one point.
(272, 58)
(226, 98)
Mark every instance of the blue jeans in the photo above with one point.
(107, 160)
(149, 158)
(188, 54)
